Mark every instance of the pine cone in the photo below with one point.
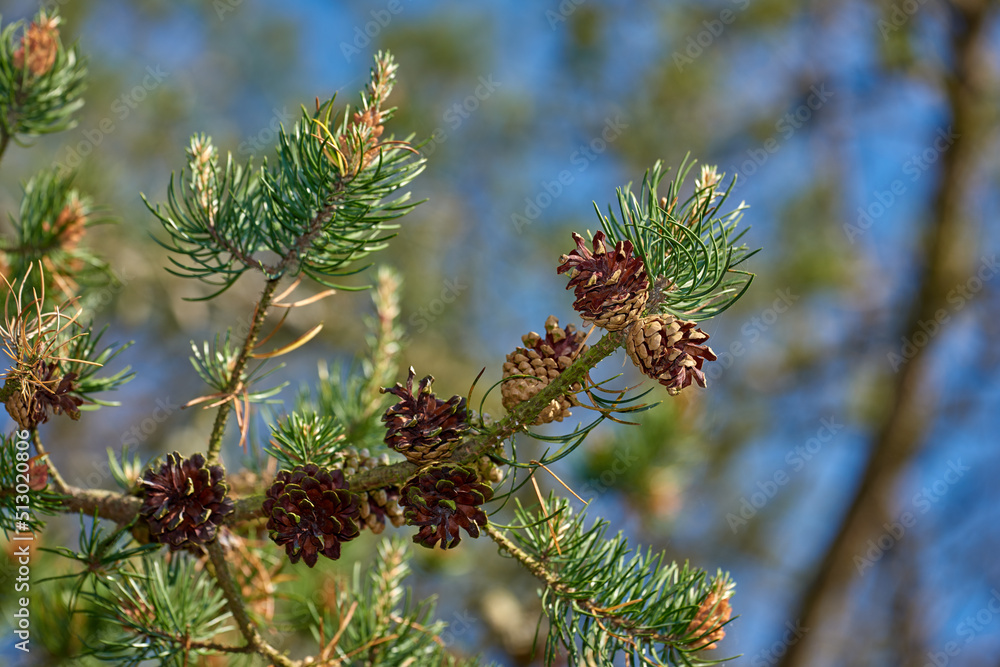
(310, 512)
(70, 226)
(185, 501)
(544, 359)
(669, 350)
(30, 406)
(41, 42)
(421, 427)
(374, 506)
(708, 624)
(442, 500)
(22, 410)
(611, 287)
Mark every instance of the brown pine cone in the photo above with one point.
(544, 359)
(421, 427)
(184, 501)
(310, 512)
(611, 286)
(669, 350)
(441, 501)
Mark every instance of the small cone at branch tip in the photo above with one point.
(442, 501)
(543, 359)
(69, 226)
(310, 513)
(707, 627)
(422, 427)
(184, 501)
(41, 43)
(610, 284)
(669, 350)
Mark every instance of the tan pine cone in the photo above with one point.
(41, 42)
(21, 410)
(543, 359)
(669, 350)
(377, 505)
(708, 624)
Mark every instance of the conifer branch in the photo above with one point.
(236, 379)
(234, 600)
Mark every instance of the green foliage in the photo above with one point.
(303, 438)
(32, 104)
(326, 202)
(102, 556)
(86, 362)
(164, 611)
(52, 218)
(604, 599)
(21, 507)
(375, 623)
(215, 363)
(691, 252)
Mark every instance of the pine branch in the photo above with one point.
(236, 379)
(234, 600)
(602, 598)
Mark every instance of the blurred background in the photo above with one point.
(842, 464)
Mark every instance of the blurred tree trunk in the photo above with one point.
(947, 259)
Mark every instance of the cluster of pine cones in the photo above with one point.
(612, 289)
(310, 511)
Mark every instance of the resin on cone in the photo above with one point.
(543, 359)
(669, 350)
(610, 284)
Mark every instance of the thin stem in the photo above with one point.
(236, 379)
(57, 478)
(234, 600)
